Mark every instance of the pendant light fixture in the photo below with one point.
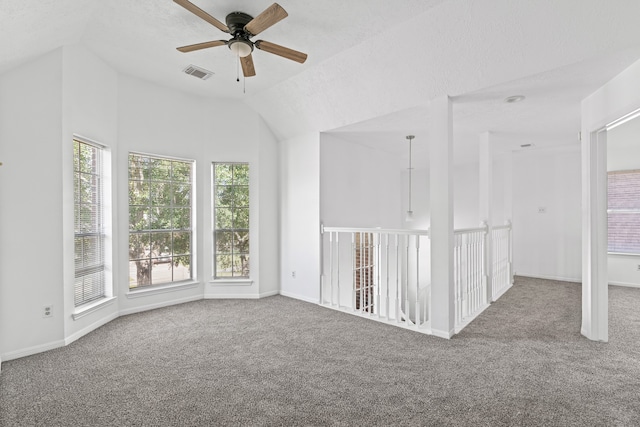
(409, 216)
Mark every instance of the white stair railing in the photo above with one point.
(385, 274)
(469, 274)
(380, 274)
(502, 278)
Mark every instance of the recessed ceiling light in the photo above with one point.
(514, 98)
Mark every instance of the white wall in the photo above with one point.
(70, 91)
(163, 121)
(300, 217)
(359, 186)
(465, 198)
(90, 96)
(155, 120)
(31, 273)
(269, 211)
(547, 244)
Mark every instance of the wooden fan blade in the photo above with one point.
(247, 66)
(271, 15)
(285, 52)
(202, 14)
(199, 46)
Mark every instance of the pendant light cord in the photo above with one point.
(410, 170)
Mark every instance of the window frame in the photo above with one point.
(243, 278)
(100, 229)
(134, 286)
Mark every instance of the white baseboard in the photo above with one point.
(625, 284)
(269, 294)
(29, 351)
(557, 278)
(241, 296)
(299, 297)
(92, 327)
(148, 307)
(442, 334)
(502, 292)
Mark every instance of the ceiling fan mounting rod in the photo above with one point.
(236, 22)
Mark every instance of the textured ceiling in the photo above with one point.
(373, 65)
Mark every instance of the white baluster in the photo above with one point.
(398, 283)
(386, 303)
(417, 281)
(406, 281)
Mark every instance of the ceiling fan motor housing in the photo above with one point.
(240, 44)
(236, 22)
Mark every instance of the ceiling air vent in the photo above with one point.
(198, 72)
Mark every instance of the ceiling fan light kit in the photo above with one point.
(243, 27)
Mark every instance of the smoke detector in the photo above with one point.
(514, 99)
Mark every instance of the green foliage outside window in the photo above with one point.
(160, 192)
(231, 220)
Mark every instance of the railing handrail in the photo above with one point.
(502, 227)
(374, 230)
(470, 230)
(405, 231)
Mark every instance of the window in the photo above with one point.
(624, 211)
(231, 220)
(88, 227)
(160, 220)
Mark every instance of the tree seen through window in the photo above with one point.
(231, 220)
(160, 231)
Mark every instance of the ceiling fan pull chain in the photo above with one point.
(238, 68)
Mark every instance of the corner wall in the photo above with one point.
(300, 217)
(31, 273)
(546, 213)
(90, 111)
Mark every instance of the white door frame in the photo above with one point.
(595, 291)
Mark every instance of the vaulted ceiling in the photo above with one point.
(373, 65)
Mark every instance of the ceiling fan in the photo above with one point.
(243, 27)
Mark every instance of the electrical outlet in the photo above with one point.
(47, 310)
(638, 267)
(542, 209)
(293, 274)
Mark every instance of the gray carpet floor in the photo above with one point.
(279, 361)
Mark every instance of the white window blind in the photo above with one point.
(88, 222)
(231, 220)
(624, 211)
(160, 220)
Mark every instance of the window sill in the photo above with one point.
(92, 307)
(231, 282)
(622, 254)
(161, 289)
